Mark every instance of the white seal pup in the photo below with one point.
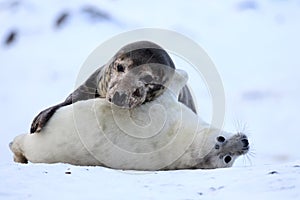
(159, 135)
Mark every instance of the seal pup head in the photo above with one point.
(138, 73)
(225, 151)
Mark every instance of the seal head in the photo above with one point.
(225, 151)
(138, 73)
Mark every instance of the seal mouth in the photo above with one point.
(243, 151)
(129, 101)
(127, 95)
(246, 149)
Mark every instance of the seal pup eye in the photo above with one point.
(120, 68)
(221, 139)
(227, 159)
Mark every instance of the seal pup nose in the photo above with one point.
(119, 99)
(245, 142)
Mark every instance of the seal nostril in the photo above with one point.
(116, 96)
(245, 142)
(120, 68)
(137, 93)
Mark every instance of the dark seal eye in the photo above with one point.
(221, 139)
(227, 159)
(120, 68)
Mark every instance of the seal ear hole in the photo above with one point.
(120, 68)
(221, 139)
(227, 159)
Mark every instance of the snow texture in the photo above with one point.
(254, 44)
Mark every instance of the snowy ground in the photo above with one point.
(254, 45)
(60, 181)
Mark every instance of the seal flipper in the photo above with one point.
(186, 98)
(88, 90)
(17, 149)
(43, 117)
(184, 95)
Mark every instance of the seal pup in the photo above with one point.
(97, 133)
(149, 65)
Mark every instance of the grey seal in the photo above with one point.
(138, 73)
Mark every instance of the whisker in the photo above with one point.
(237, 125)
(248, 158)
(244, 161)
(241, 127)
(149, 58)
(252, 154)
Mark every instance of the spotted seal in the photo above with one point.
(137, 73)
(89, 134)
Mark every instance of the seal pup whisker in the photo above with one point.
(241, 126)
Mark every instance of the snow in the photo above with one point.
(254, 45)
(60, 181)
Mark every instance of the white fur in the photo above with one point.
(162, 134)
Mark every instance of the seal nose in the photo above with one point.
(119, 99)
(245, 142)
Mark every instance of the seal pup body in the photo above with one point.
(137, 73)
(163, 134)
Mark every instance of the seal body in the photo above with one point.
(159, 135)
(138, 73)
